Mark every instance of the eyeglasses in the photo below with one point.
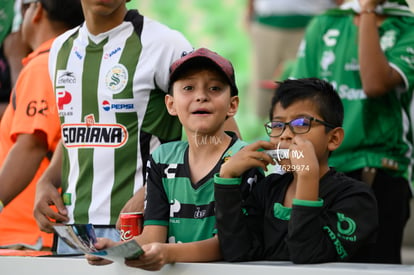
(299, 125)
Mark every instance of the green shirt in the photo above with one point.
(6, 18)
(377, 130)
(186, 208)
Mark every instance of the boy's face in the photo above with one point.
(317, 135)
(201, 100)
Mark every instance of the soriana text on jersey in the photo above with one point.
(95, 135)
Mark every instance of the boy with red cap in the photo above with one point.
(180, 191)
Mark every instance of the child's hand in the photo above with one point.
(303, 159)
(154, 258)
(247, 158)
(306, 167)
(101, 243)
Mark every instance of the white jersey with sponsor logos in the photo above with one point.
(110, 92)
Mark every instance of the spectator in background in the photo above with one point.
(12, 51)
(366, 50)
(276, 28)
(30, 128)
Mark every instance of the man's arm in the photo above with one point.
(134, 204)
(47, 193)
(21, 164)
(377, 76)
(15, 50)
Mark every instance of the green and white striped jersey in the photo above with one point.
(110, 95)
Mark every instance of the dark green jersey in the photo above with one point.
(186, 208)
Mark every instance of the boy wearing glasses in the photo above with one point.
(311, 213)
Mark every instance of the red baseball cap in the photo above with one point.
(200, 57)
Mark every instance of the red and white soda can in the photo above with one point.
(131, 225)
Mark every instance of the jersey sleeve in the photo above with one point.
(157, 206)
(341, 231)
(239, 231)
(166, 46)
(401, 54)
(176, 47)
(54, 49)
(35, 106)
